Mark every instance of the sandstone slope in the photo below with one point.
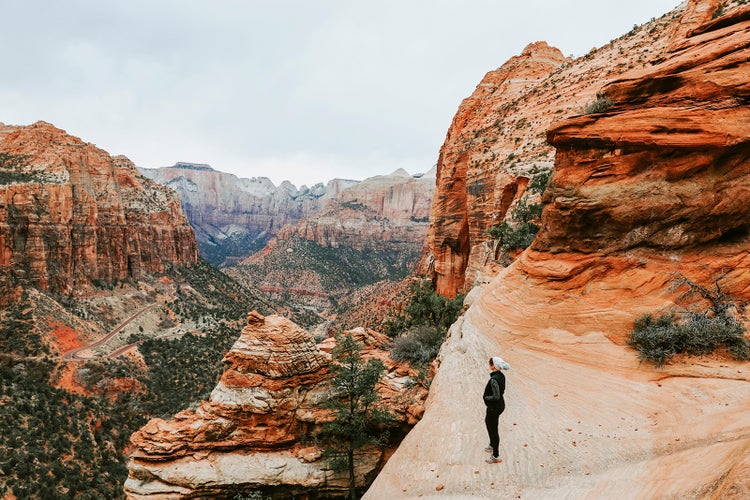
(657, 184)
(254, 433)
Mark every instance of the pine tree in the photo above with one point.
(358, 422)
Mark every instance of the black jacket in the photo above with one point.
(493, 391)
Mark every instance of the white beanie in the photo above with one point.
(499, 363)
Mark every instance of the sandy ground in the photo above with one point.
(584, 418)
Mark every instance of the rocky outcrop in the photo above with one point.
(252, 433)
(497, 141)
(71, 214)
(235, 217)
(665, 166)
(655, 185)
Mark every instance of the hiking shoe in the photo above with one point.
(493, 459)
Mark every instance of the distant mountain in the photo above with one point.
(235, 217)
(371, 232)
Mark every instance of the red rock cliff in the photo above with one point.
(666, 167)
(71, 214)
(473, 186)
(497, 141)
(654, 185)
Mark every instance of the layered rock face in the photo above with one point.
(674, 144)
(382, 213)
(234, 217)
(372, 231)
(655, 185)
(497, 141)
(248, 435)
(71, 214)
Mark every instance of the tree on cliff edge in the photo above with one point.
(357, 421)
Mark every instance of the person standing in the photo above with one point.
(495, 403)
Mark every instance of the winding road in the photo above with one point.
(75, 353)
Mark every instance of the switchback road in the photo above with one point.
(75, 353)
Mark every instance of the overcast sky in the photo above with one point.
(304, 90)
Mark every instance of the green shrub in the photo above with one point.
(56, 444)
(601, 104)
(183, 370)
(420, 330)
(514, 237)
(657, 340)
(526, 212)
(520, 233)
(426, 307)
(358, 420)
(419, 345)
(540, 181)
(14, 170)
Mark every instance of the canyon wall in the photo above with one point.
(497, 142)
(235, 217)
(371, 232)
(71, 214)
(653, 187)
(382, 213)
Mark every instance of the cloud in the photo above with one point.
(330, 88)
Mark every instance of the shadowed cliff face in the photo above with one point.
(71, 214)
(656, 184)
(497, 141)
(667, 166)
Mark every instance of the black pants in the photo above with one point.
(490, 420)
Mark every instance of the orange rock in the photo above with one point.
(268, 400)
(473, 192)
(672, 146)
(255, 317)
(83, 216)
(64, 337)
(309, 454)
(497, 140)
(653, 186)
